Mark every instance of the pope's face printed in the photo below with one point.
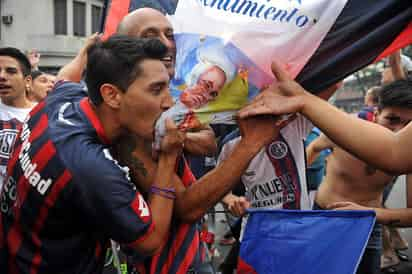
(207, 87)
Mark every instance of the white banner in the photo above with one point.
(225, 49)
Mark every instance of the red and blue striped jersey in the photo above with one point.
(366, 113)
(65, 196)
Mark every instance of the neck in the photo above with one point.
(109, 122)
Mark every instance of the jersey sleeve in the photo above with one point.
(107, 197)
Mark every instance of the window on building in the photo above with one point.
(60, 17)
(79, 18)
(96, 18)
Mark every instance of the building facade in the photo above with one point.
(55, 28)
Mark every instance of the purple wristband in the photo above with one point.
(163, 193)
(164, 189)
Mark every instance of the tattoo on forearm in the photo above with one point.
(124, 150)
(137, 165)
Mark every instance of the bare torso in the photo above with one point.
(349, 179)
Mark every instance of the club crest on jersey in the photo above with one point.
(278, 150)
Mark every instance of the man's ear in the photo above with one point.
(111, 95)
(28, 80)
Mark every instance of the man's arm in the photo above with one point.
(316, 147)
(161, 202)
(73, 70)
(202, 142)
(369, 142)
(396, 67)
(400, 217)
(194, 201)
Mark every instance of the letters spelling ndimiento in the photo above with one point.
(258, 10)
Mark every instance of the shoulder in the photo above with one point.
(91, 161)
(228, 144)
(231, 138)
(64, 90)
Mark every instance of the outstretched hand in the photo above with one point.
(282, 97)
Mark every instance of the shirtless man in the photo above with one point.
(350, 179)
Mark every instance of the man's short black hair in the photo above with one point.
(20, 57)
(396, 94)
(116, 61)
(36, 73)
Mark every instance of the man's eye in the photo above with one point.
(11, 70)
(393, 120)
(150, 35)
(157, 90)
(214, 93)
(170, 37)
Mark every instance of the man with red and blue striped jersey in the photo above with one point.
(65, 196)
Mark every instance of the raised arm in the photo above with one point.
(396, 67)
(73, 70)
(370, 142)
(202, 142)
(194, 201)
(161, 201)
(400, 217)
(316, 147)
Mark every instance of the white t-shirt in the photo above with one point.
(276, 176)
(11, 119)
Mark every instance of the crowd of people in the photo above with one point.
(79, 173)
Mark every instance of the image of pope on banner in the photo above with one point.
(210, 84)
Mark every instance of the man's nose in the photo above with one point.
(2, 75)
(167, 101)
(170, 44)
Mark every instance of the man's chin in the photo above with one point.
(5, 97)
